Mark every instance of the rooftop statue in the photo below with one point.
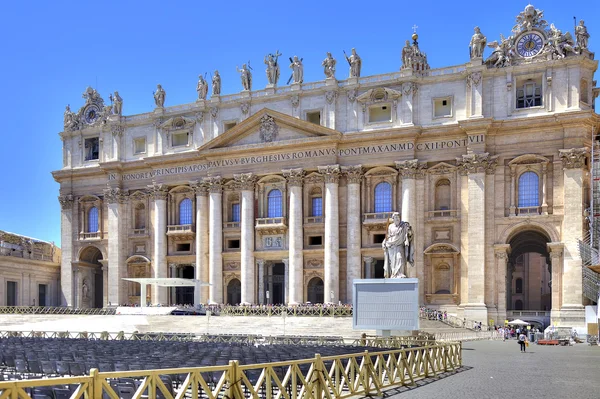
(528, 19)
(582, 36)
(502, 54)
(117, 103)
(477, 44)
(70, 121)
(412, 57)
(202, 87)
(398, 248)
(245, 76)
(272, 67)
(329, 65)
(216, 84)
(355, 63)
(560, 44)
(159, 96)
(297, 69)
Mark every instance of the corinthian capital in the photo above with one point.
(477, 163)
(158, 191)
(214, 184)
(199, 188)
(244, 181)
(331, 173)
(66, 201)
(573, 158)
(293, 176)
(411, 169)
(354, 173)
(115, 195)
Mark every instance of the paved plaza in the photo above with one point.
(496, 369)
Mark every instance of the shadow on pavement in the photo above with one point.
(425, 381)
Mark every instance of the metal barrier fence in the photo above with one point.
(55, 310)
(334, 376)
(320, 311)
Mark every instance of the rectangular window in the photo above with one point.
(380, 113)
(92, 148)
(442, 107)
(183, 247)
(42, 288)
(233, 244)
(11, 293)
(314, 117)
(139, 145)
(317, 206)
(228, 125)
(235, 212)
(529, 94)
(378, 238)
(315, 240)
(179, 139)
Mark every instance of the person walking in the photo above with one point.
(522, 341)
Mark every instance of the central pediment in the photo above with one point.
(268, 128)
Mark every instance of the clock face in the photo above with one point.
(530, 44)
(91, 114)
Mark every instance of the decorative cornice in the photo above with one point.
(353, 173)
(199, 188)
(477, 163)
(158, 191)
(115, 195)
(214, 184)
(411, 169)
(293, 177)
(178, 123)
(244, 181)
(66, 201)
(331, 173)
(573, 158)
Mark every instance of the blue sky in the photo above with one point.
(53, 50)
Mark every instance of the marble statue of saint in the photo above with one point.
(246, 77)
(297, 70)
(68, 117)
(355, 64)
(202, 88)
(272, 67)
(85, 290)
(478, 42)
(329, 65)
(117, 103)
(398, 248)
(159, 96)
(407, 52)
(216, 84)
(582, 35)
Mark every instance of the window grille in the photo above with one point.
(317, 206)
(529, 190)
(92, 220)
(235, 212)
(529, 95)
(383, 197)
(185, 211)
(274, 204)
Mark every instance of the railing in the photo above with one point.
(342, 376)
(139, 232)
(519, 313)
(529, 210)
(180, 228)
(231, 225)
(377, 217)
(281, 310)
(442, 214)
(55, 310)
(268, 222)
(21, 253)
(90, 236)
(314, 219)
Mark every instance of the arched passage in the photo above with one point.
(234, 292)
(90, 284)
(315, 290)
(528, 285)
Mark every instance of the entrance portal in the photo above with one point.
(185, 295)
(528, 278)
(234, 292)
(274, 284)
(91, 292)
(315, 290)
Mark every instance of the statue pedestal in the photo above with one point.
(245, 94)
(476, 61)
(352, 81)
(201, 102)
(215, 98)
(270, 89)
(159, 110)
(296, 86)
(389, 306)
(331, 82)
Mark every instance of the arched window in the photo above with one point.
(529, 191)
(185, 211)
(274, 204)
(519, 286)
(92, 220)
(383, 197)
(442, 195)
(140, 216)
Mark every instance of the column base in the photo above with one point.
(568, 316)
(476, 312)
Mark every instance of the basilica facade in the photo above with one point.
(284, 194)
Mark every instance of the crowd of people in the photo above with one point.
(432, 314)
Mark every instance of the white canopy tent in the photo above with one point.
(518, 322)
(169, 282)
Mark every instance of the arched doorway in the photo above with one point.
(90, 284)
(315, 290)
(234, 292)
(528, 278)
(138, 267)
(185, 295)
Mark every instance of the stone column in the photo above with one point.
(215, 221)
(556, 253)
(329, 117)
(286, 277)
(201, 296)
(270, 287)
(331, 174)
(572, 229)
(544, 188)
(474, 87)
(410, 170)
(115, 197)
(353, 227)
(501, 252)
(513, 190)
(159, 265)
(295, 236)
(245, 183)
(173, 274)
(368, 267)
(476, 166)
(409, 91)
(261, 281)
(66, 237)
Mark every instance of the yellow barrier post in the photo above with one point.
(317, 379)
(96, 383)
